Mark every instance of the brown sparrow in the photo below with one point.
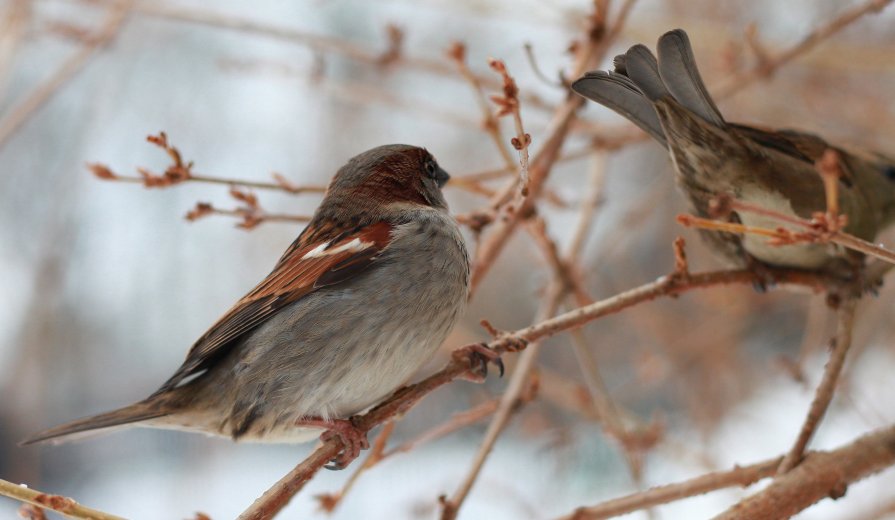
(772, 169)
(354, 307)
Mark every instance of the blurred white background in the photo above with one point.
(105, 286)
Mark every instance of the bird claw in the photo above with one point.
(478, 356)
(353, 439)
(764, 277)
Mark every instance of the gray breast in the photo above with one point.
(341, 349)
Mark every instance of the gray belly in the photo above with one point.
(340, 349)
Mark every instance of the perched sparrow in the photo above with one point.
(354, 307)
(773, 169)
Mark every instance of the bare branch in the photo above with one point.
(768, 64)
(179, 171)
(821, 475)
(275, 498)
(739, 476)
(824, 393)
(23, 110)
(62, 505)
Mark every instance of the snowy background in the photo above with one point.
(105, 286)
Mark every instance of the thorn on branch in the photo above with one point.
(681, 269)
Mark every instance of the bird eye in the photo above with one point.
(889, 172)
(431, 168)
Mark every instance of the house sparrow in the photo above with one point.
(354, 307)
(772, 169)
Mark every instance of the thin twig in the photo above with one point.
(508, 403)
(13, 28)
(821, 475)
(329, 501)
(275, 498)
(827, 387)
(770, 64)
(356, 51)
(588, 53)
(22, 111)
(359, 93)
(739, 476)
(592, 199)
(817, 230)
(457, 422)
(62, 505)
(180, 171)
(490, 123)
(509, 103)
(249, 217)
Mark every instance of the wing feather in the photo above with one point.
(309, 264)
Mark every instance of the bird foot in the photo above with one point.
(478, 355)
(353, 438)
(764, 276)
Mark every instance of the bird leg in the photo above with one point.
(353, 438)
(478, 355)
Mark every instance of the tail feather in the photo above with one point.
(677, 67)
(640, 81)
(127, 416)
(641, 67)
(619, 93)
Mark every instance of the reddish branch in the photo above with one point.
(508, 104)
(767, 64)
(19, 113)
(820, 475)
(457, 422)
(180, 171)
(587, 53)
(739, 476)
(827, 387)
(279, 495)
(823, 474)
(818, 230)
(63, 505)
(509, 403)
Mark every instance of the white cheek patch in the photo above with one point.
(321, 250)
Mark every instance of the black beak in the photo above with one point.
(441, 177)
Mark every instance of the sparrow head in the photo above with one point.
(386, 176)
